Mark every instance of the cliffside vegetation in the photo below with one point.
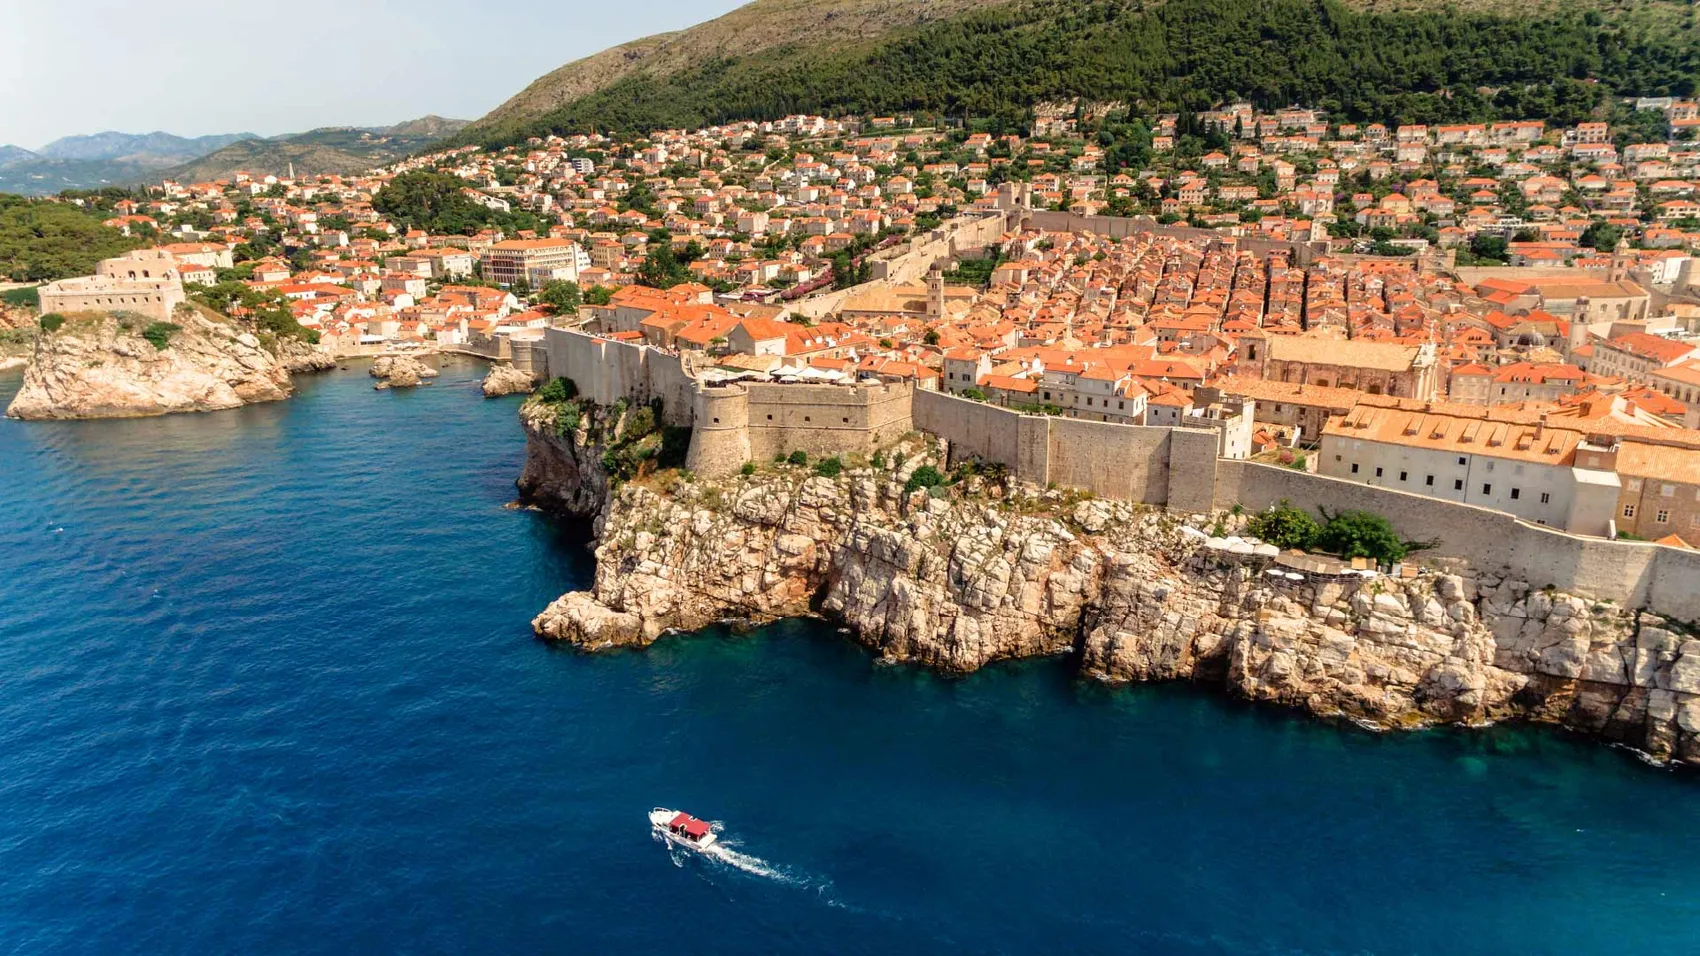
(993, 63)
(633, 439)
(42, 240)
(1349, 534)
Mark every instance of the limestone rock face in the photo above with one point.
(507, 380)
(301, 358)
(956, 581)
(100, 366)
(563, 470)
(400, 371)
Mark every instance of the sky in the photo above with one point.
(234, 66)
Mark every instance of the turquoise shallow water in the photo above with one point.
(267, 685)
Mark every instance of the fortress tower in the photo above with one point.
(720, 442)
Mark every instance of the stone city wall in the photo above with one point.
(1161, 466)
(1634, 573)
(1173, 467)
(964, 236)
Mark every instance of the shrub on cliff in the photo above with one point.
(51, 322)
(925, 476)
(557, 391)
(159, 334)
(1360, 534)
(829, 467)
(798, 457)
(1285, 526)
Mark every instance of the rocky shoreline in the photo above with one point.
(97, 365)
(984, 570)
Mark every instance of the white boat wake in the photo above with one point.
(753, 865)
(724, 852)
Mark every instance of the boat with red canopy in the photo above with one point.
(681, 828)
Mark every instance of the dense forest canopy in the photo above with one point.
(1404, 66)
(41, 240)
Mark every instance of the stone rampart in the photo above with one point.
(964, 236)
(1176, 468)
(1634, 573)
(1130, 462)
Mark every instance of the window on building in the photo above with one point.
(1378, 473)
(770, 418)
(1666, 491)
(1354, 467)
(1047, 396)
(1662, 517)
(807, 418)
(1404, 477)
(1336, 457)
(1629, 511)
(1429, 481)
(1634, 484)
(1487, 489)
(1546, 498)
(1516, 493)
(1463, 461)
(1458, 485)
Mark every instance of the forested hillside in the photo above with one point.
(1394, 64)
(42, 240)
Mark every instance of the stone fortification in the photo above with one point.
(980, 572)
(754, 421)
(1172, 467)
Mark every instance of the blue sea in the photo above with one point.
(268, 685)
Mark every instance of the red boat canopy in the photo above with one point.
(690, 826)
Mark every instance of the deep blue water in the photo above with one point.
(267, 685)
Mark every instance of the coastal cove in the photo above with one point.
(271, 687)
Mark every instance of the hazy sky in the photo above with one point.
(196, 67)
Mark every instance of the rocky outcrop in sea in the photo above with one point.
(107, 366)
(983, 570)
(400, 371)
(507, 380)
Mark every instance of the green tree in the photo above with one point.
(1601, 235)
(1361, 534)
(1285, 526)
(432, 201)
(563, 295)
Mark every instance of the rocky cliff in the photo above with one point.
(563, 466)
(984, 570)
(124, 366)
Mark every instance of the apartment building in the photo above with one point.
(534, 261)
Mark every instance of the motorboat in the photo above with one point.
(682, 829)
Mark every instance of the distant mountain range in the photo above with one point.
(127, 159)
